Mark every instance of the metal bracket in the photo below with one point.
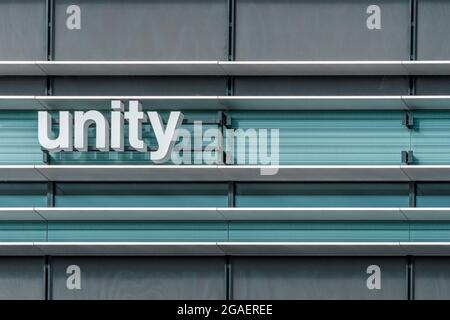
(224, 122)
(407, 157)
(45, 156)
(408, 120)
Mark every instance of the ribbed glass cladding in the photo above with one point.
(352, 96)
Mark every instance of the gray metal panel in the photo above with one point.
(141, 278)
(22, 86)
(139, 86)
(436, 85)
(143, 30)
(433, 29)
(432, 278)
(317, 86)
(317, 278)
(21, 278)
(333, 30)
(23, 30)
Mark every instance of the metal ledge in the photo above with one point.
(224, 68)
(313, 102)
(315, 214)
(20, 173)
(20, 103)
(426, 248)
(222, 214)
(441, 102)
(224, 248)
(104, 102)
(427, 214)
(427, 67)
(20, 68)
(217, 173)
(19, 214)
(257, 103)
(129, 248)
(128, 214)
(427, 172)
(130, 172)
(313, 68)
(205, 214)
(19, 249)
(131, 68)
(311, 248)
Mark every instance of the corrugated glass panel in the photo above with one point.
(15, 231)
(137, 231)
(23, 194)
(19, 138)
(141, 195)
(430, 139)
(322, 195)
(329, 137)
(318, 231)
(433, 195)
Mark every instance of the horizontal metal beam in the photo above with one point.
(358, 173)
(223, 214)
(371, 103)
(223, 68)
(201, 173)
(224, 248)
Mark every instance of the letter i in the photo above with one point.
(117, 123)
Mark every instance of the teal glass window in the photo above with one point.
(433, 195)
(322, 195)
(23, 194)
(141, 195)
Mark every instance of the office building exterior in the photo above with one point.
(355, 205)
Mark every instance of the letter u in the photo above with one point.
(64, 141)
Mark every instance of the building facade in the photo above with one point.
(357, 91)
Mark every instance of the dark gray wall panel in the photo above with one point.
(321, 85)
(433, 85)
(433, 29)
(329, 30)
(432, 278)
(143, 30)
(316, 278)
(21, 278)
(139, 86)
(23, 30)
(141, 278)
(22, 85)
